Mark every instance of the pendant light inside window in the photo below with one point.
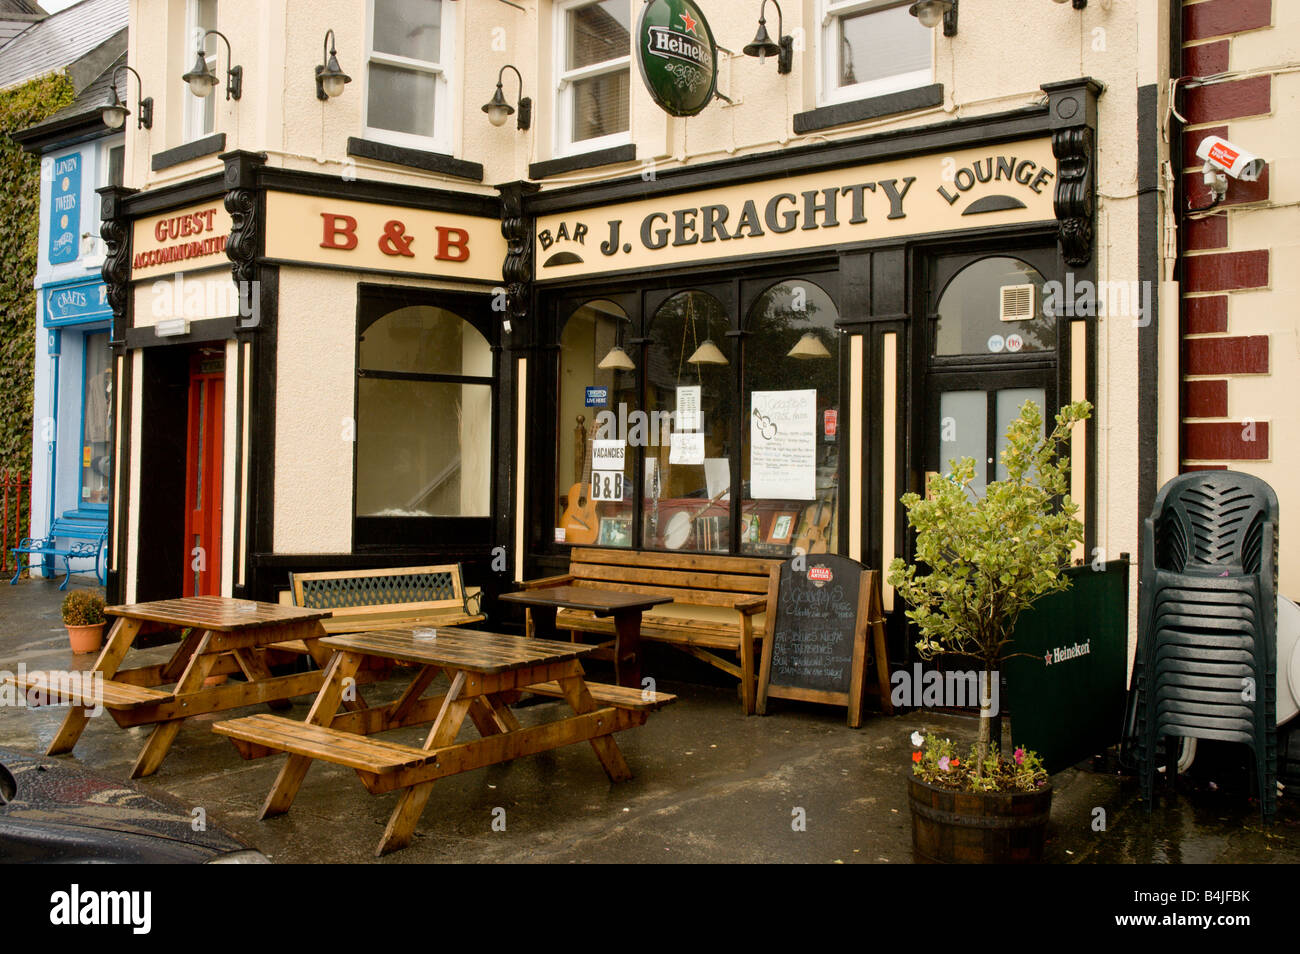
(616, 360)
(708, 353)
(808, 347)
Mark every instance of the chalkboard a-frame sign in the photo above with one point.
(816, 650)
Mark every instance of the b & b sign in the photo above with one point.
(677, 56)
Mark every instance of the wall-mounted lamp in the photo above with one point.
(498, 109)
(202, 80)
(330, 79)
(763, 45)
(933, 12)
(115, 113)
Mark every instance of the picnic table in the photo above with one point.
(626, 608)
(485, 672)
(225, 636)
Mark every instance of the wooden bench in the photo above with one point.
(397, 598)
(719, 603)
(92, 533)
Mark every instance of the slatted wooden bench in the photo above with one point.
(396, 598)
(719, 603)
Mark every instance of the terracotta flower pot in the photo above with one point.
(86, 639)
(951, 827)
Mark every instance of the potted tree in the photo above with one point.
(980, 562)
(83, 615)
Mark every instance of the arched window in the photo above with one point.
(424, 414)
(791, 432)
(597, 376)
(688, 376)
(994, 306)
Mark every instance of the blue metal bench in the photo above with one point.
(93, 535)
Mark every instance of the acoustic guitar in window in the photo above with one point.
(579, 519)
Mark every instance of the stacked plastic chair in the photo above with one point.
(1206, 664)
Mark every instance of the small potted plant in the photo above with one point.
(83, 615)
(980, 562)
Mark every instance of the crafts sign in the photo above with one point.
(677, 57)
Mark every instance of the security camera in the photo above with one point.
(1222, 156)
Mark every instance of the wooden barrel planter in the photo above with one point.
(978, 827)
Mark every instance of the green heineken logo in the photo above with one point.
(677, 56)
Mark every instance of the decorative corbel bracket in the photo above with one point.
(517, 229)
(115, 230)
(1072, 108)
(243, 202)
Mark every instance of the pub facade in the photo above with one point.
(378, 328)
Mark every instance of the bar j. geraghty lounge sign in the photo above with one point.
(675, 52)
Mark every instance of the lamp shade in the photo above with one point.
(332, 78)
(115, 113)
(200, 79)
(930, 12)
(616, 360)
(497, 109)
(809, 346)
(708, 353)
(763, 45)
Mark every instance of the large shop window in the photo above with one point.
(593, 56)
(871, 48)
(96, 422)
(407, 74)
(686, 411)
(424, 421)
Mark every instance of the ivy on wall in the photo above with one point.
(20, 211)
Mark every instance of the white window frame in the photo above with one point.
(564, 80)
(831, 11)
(196, 108)
(444, 72)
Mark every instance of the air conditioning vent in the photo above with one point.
(1017, 303)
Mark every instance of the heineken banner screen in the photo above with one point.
(675, 51)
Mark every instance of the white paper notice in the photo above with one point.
(687, 417)
(783, 442)
(608, 455)
(717, 476)
(686, 449)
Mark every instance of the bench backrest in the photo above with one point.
(357, 592)
(79, 529)
(696, 578)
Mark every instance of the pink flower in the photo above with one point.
(943, 764)
(1020, 756)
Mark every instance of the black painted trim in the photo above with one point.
(206, 329)
(383, 193)
(415, 159)
(860, 110)
(586, 160)
(147, 202)
(261, 434)
(1030, 122)
(207, 146)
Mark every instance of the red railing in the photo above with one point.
(14, 487)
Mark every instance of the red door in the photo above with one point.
(203, 474)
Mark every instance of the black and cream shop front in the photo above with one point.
(742, 357)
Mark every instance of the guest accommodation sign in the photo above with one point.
(181, 240)
(1007, 184)
(675, 51)
(368, 236)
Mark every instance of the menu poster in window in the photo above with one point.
(687, 416)
(783, 445)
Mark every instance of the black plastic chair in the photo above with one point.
(1206, 665)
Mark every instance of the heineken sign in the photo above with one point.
(678, 60)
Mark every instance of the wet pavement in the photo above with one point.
(710, 785)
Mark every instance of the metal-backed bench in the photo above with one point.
(394, 598)
(719, 603)
(92, 533)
